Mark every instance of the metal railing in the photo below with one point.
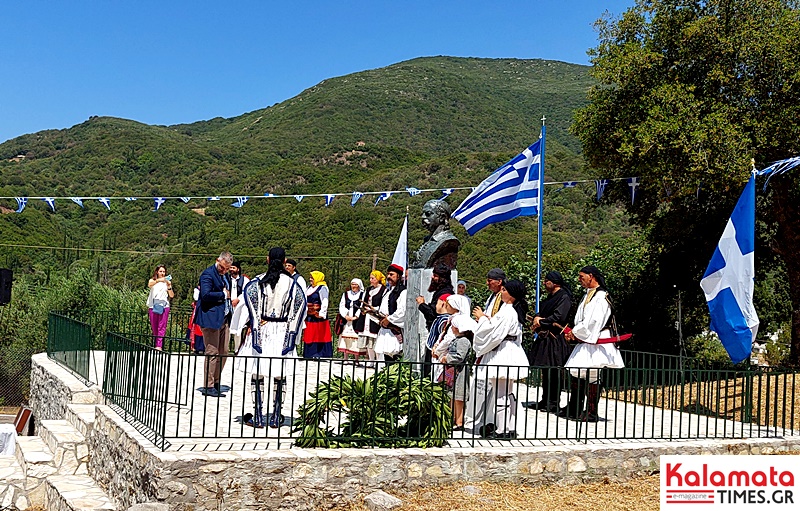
(325, 402)
(69, 342)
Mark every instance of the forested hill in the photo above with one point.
(427, 123)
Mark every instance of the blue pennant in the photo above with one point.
(600, 184)
(413, 191)
(240, 201)
(186, 200)
(329, 198)
(356, 196)
(159, 201)
(21, 202)
(77, 200)
(105, 202)
(633, 183)
(50, 202)
(299, 198)
(383, 196)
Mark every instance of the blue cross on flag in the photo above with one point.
(511, 191)
(21, 202)
(600, 184)
(77, 200)
(105, 202)
(728, 281)
(50, 202)
(356, 196)
(383, 196)
(240, 201)
(329, 198)
(158, 202)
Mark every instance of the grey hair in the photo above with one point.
(226, 257)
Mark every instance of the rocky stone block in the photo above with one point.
(381, 501)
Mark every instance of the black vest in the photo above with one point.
(394, 294)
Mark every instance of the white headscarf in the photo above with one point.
(354, 295)
(459, 303)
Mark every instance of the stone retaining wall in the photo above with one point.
(132, 471)
(53, 388)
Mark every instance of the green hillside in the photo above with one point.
(428, 123)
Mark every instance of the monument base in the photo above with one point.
(415, 333)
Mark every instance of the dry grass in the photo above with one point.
(775, 398)
(641, 494)
(636, 495)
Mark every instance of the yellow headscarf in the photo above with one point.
(380, 276)
(318, 279)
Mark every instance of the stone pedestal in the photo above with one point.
(415, 334)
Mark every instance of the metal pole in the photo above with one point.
(540, 215)
(374, 261)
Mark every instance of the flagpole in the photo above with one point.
(541, 211)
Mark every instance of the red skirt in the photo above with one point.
(317, 331)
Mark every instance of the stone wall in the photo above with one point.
(53, 388)
(132, 471)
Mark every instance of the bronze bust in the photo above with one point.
(440, 246)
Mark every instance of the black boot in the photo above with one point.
(593, 392)
(276, 419)
(577, 396)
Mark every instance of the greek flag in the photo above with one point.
(446, 193)
(633, 183)
(299, 198)
(356, 196)
(413, 191)
(728, 281)
(158, 202)
(383, 196)
(600, 184)
(186, 200)
(329, 198)
(77, 200)
(50, 202)
(511, 191)
(21, 203)
(240, 201)
(105, 202)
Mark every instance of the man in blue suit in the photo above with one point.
(213, 315)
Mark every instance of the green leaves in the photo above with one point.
(392, 408)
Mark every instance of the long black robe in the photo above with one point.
(551, 349)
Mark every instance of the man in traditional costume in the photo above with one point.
(276, 305)
(593, 321)
(551, 351)
(389, 342)
(483, 396)
(238, 281)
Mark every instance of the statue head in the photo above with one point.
(436, 215)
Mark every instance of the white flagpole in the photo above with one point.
(541, 211)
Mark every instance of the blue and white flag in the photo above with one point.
(21, 203)
(186, 200)
(567, 184)
(356, 196)
(446, 192)
(158, 202)
(50, 202)
(413, 191)
(633, 183)
(105, 202)
(383, 196)
(728, 281)
(511, 191)
(329, 198)
(77, 200)
(240, 201)
(269, 195)
(129, 199)
(600, 184)
(299, 198)
(214, 198)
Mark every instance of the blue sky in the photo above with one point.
(170, 62)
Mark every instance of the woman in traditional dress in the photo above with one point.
(160, 285)
(498, 346)
(317, 339)
(350, 310)
(369, 332)
(276, 308)
(452, 350)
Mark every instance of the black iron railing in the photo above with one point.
(69, 342)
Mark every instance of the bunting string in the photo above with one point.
(240, 200)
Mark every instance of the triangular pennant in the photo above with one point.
(413, 191)
(159, 201)
(214, 198)
(77, 200)
(329, 198)
(446, 192)
(129, 199)
(105, 202)
(21, 203)
(240, 201)
(299, 198)
(600, 184)
(186, 200)
(356, 196)
(633, 183)
(383, 196)
(269, 195)
(50, 202)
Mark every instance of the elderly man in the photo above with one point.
(213, 316)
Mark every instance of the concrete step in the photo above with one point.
(36, 462)
(75, 493)
(69, 448)
(12, 484)
(81, 417)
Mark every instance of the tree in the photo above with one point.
(690, 93)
